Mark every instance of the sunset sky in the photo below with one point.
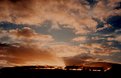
(59, 32)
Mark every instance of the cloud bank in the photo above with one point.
(96, 26)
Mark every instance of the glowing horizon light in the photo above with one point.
(39, 63)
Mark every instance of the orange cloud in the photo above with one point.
(78, 17)
(71, 14)
(118, 38)
(29, 33)
(100, 49)
(25, 35)
(104, 9)
(80, 39)
(37, 11)
(66, 50)
(19, 54)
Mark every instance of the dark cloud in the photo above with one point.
(109, 25)
(81, 59)
(116, 57)
(110, 34)
(9, 26)
(118, 5)
(116, 44)
(100, 22)
(114, 21)
(92, 3)
(23, 35)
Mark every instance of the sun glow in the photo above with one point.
(46, 63)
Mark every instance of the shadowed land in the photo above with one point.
(61, 72)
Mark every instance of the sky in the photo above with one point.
(59, 32)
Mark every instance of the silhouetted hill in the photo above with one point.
(59, 72)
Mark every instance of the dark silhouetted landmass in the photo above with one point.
(60, 72)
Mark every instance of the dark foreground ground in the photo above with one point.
(27, 72)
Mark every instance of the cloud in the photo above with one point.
(37, 11)
(100, 49)
(66, 50)
(90, 22)
(80, 39)
(81, 59)
(18, 54)
(29, 33)
(118, 38)
(26, 35)
(85, 52)
(104, 9)
(78, 17)
(25, 32)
